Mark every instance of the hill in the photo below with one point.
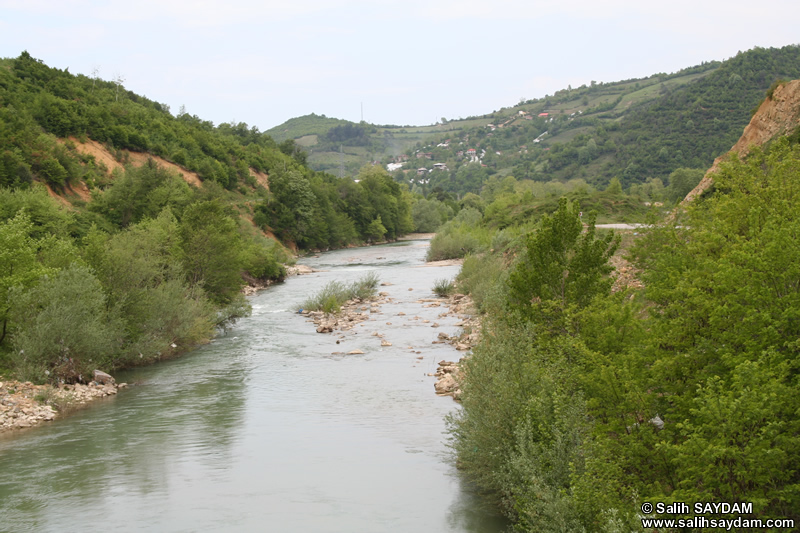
(343, 147)
(128, 233)
(636, 130)
(778, 114)
(76, 134)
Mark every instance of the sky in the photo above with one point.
(409, 62)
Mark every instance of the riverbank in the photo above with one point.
(25, 405)
(448, 373)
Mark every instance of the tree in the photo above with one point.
(427, 217)
(720, 362)
(563, 265)
(375, 230)
(65, 331)
(614, 186)
(211, 249)
(681, 183)
(19, 268)
(385, 196)
(291, 205)
(472, 200)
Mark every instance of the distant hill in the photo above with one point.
(635, 130)
(342, 147)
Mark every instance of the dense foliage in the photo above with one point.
(42, 103)
(150, 265)
(581, 403)
(74, 300)
(313, 210)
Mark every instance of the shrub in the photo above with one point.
(459, 237)
(65, 331)
(443, 287)
(259, 260)
(483, 277)
(333, 295)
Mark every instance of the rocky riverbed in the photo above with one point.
(24, 405)
(356, 311)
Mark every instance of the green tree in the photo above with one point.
(65, 331)
(614, 186)
(375, 230)
(723, 323)
(681, 183)
(385, 197)
(19, 267)
(472, 200)
(211, 250)
(563, 265)
(426, 215)
(144, 279)
(291, 206)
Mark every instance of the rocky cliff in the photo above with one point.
(776, 116)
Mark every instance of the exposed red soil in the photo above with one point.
(261, 178)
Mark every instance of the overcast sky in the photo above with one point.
(406, 62)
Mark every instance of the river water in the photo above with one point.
(266, 428)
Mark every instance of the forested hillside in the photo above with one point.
(634, 130)
(150, 257)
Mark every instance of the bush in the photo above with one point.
(333, 295)
(443, 287)
(459, 237)
(65, 331)
(519, 433)
(483, 277)
(259, 260)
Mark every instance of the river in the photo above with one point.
(265, 428)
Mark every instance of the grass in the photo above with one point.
(443, 287)
(49, 396)
(333, 295)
